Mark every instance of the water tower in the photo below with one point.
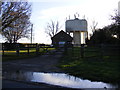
(79, 29)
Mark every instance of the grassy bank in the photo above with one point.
(92, 66)
(11, 55)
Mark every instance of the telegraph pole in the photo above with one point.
(31, 32)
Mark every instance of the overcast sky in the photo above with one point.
(45, 10)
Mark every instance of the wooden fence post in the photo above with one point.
(82, 51)
(66, 48)
(37, 49)
(73, 51)
(102, 51)
(28, 48)
(3, 47)
(17, 49)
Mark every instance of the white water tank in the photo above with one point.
(76, 25)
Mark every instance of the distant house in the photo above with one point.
(61, 39)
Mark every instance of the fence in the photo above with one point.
(95, 52)
(18, 46)
(83, 51)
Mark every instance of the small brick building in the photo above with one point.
(61, 39)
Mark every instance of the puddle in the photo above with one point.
(59, 79)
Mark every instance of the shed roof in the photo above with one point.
(62, 36)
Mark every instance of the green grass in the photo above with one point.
(11, 55)
(92, 66)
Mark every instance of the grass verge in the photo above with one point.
(92, 66)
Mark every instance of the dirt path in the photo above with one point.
(44, 63)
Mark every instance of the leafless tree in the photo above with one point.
(116, 17)
(94, 25)
(15, 20)
(52, 28)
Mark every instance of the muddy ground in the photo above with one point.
(45, 63)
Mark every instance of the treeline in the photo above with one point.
(108, 35)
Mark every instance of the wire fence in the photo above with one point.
(98, 52)
(77, 51)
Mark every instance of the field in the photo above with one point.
(96, 64)
(12, 55)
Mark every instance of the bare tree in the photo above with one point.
(94, 25)
(116, 17)
(15, 20)
(52, 28)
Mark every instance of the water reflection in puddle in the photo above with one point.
(59, 79)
